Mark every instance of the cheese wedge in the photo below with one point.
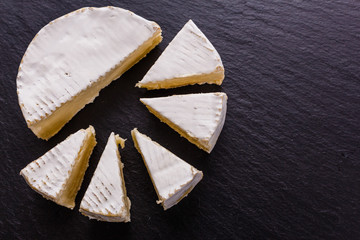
(189, 59)
(172, 177)
(105, 199)
(197, 117)
(73, 57)
(58, 174)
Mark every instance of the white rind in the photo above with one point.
(172, 177)
(72, 53)
(49, 174)
(197, 117)
(105, 198)
(190, 53)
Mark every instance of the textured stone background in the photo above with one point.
(287, 164)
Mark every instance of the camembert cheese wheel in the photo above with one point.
(73, 57)
(190, 58)
(58, 174)
(105, 199)
(198, 117)
(172, 177)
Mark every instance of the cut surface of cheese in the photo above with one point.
(189, 59)
(172, 177)
(73, 57)
(105, 199)
(197, 117)
(58, 174)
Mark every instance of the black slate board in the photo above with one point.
(286, 165)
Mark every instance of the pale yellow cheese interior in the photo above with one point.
(67, 196)
(215, 77)
(126, 200)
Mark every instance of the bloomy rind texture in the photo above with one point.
(189, 59)
(58, 174)
(171, 176)
(106, 199)
(197, 117)
(73, 57)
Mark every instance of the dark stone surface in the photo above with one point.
(287, 164)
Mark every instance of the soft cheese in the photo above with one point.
(105, 199)
(73, 57)
(190, 58)
(172, 177)
(197, 117)
(58, 174)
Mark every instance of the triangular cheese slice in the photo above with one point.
(197, 117)
(73, 57)
(58, 174)
(190, 58)
(171, 176)
(105, 199)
